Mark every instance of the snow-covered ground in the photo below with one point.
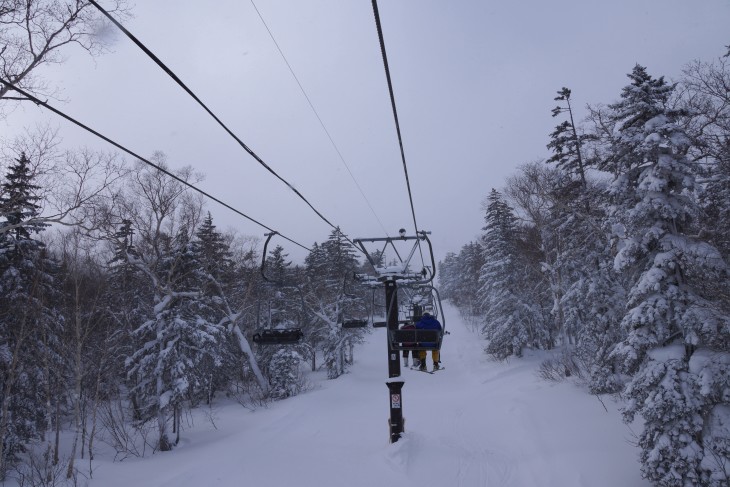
(477, 423)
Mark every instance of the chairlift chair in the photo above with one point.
(285, 336)
(275, 336)
(360, 322)
(355, 323)
(415, 339)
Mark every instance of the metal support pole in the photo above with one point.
(391, 309)
(396, 410)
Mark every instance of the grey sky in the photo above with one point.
(474, 83)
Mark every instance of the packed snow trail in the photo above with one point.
(477, 423)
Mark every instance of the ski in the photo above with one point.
(427, 371)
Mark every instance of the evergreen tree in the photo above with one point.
(179, 340)
(459, 279)
(565, 141)
(286, 379)
(281, 295)
(594, 299)
(213, 253)
(588, 298)
(29, 324)
(19, 204)
(509, 320)
(332, 295)
(669, 319)
(129, 304)
(221, 296)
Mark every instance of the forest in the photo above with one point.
(152, 311)
(122, 305)
(614, 250)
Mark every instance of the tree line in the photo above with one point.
(146, 309)
(121, 303)
(615, 250)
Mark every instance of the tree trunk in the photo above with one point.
(177, 424)
(5, 408)
(246, 349)
(164, 441)
(77, 388)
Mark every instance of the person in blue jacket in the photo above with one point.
(428, 322)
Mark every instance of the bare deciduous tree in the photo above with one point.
(76, 186)
(34, 33)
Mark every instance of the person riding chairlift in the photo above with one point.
(428, 322)
(409, 326)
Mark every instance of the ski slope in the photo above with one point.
(477, 423)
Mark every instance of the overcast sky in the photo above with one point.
(474, 83)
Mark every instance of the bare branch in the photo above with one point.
(36, 32)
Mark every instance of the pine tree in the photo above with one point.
(589, 300)
(179, 340)
(509, 320)
(331, 296)
(213, 254)
(129, 304)
(459, 279)
(566, 144)
(669, 318)
(19, 204)
(219, 293)
(286, 379)
(29, 323)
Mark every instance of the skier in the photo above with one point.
(409, 326)
(428, 322)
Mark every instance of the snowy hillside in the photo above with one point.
(477, 423)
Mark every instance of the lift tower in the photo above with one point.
(390, 277)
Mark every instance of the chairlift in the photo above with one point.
(415, 339)
(418, 339)
(360, 322)
(274, 336)
(355, 323)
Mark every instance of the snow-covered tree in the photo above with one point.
(566, 143)
(29, 323)
(332, 295)
(129, 304)
(669, 318)
(706, 98)
(177, 339)
(180, 341)
(588, 300)
(511, 322)
(216, 276)
(459, 279)
(227, 289)
(284, 370)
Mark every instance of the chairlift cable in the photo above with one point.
(395, 115)
(137, 156)
(194, 96)
(316, 114)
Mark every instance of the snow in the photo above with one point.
(665, 354)
(477, 423)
